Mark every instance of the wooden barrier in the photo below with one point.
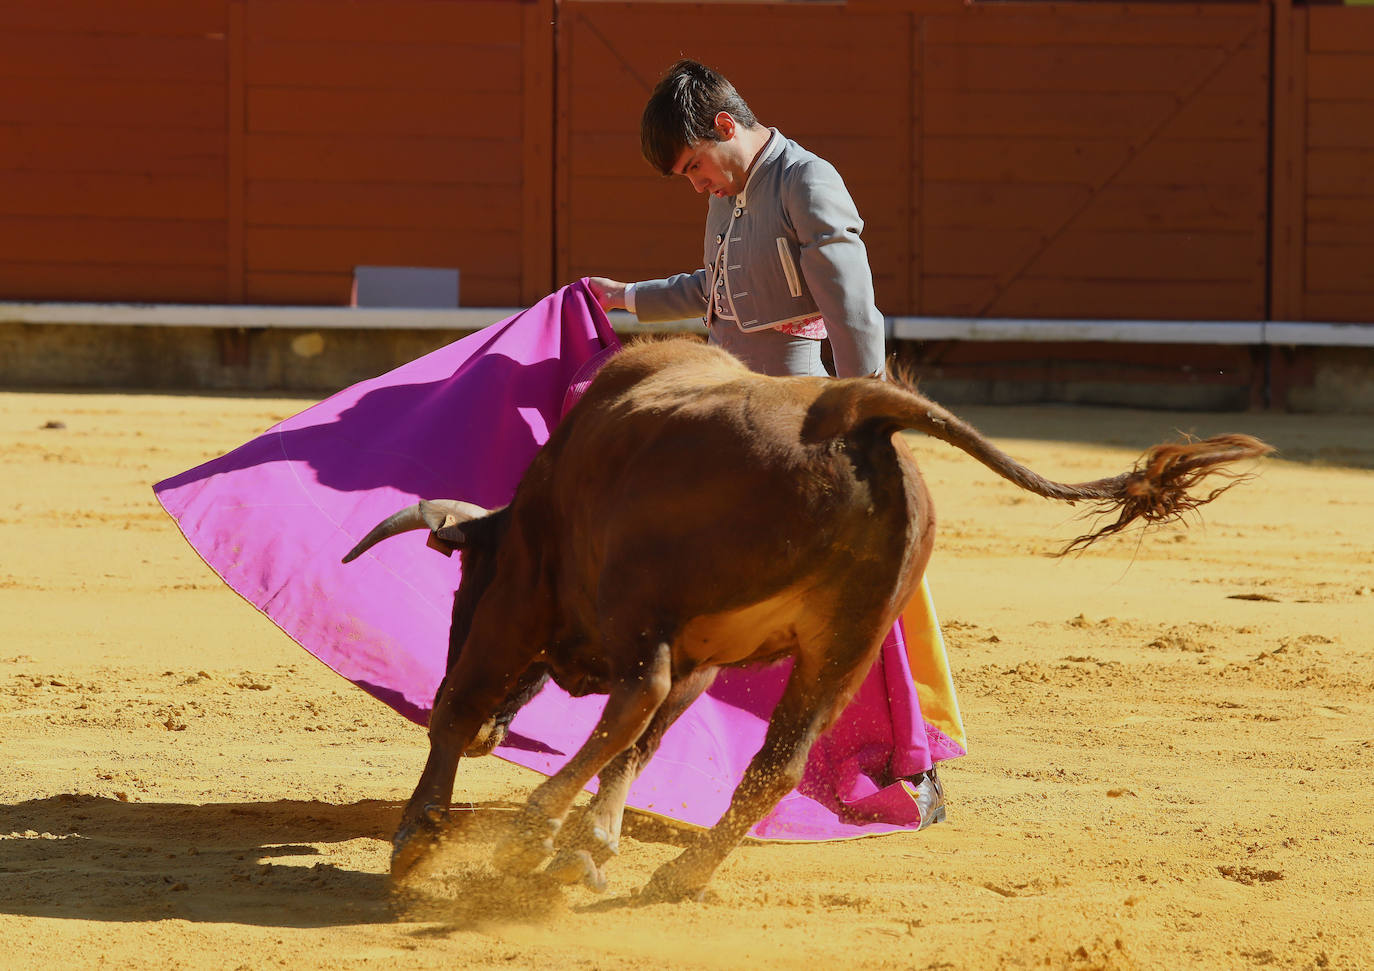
(1020, 160)
(1324, 223)
(1012, 160)
(113, 150)
(839, 81)
(402, 133)
(1086, 160)
(258, 150)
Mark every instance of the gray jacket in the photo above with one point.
(791, 251)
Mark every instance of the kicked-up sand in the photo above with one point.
(1171, 765)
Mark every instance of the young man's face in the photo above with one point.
(709, 166)
(716, 165)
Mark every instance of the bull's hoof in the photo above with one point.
(584, 834)
(415, 840)
(577, 866)
(668, 890)
(525, 848)
(678, 880)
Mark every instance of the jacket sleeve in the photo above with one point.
(834, 262)
(676, 298)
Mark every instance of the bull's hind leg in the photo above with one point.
(595, 838)
(630, 706)
(812, 700)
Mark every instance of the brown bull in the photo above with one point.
(687, 514)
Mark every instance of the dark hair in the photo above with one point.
(682, 112)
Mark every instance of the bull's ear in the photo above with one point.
(445, 519)
(435, 543)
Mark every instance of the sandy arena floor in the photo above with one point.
(1172, 740)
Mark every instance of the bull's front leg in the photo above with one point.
(595, 838)
(630, 706)
(460, 712)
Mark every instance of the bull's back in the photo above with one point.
(683, 462)
(700, 365)
(674, 403)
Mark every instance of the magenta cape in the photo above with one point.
(274, 516)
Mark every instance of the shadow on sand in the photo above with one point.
(89, 857)
(85, 857)
(95, 858)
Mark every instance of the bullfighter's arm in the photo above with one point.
(676, 298)
(835, 264)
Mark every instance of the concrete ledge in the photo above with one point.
(1294, 334)
(218, 315)
(1108, 331)
(291, 318)
(1203, 365)
(1232, 333)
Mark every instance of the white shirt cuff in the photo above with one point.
(630, 298)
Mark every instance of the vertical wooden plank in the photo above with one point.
(915, 146)
(1282, 299)
(562, 181)
(536, 224)
(1296, 212)
(1282, 153)
(235, 189)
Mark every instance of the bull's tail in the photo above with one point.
(1155, 491)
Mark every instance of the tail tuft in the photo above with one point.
(1157, 491)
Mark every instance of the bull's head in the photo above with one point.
(453, 525)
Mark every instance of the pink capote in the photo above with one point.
(274, 516)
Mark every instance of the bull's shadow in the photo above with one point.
(84, 857)
(95, 858)
(239, 863)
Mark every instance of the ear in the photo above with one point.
(725, 125)
(445, 518)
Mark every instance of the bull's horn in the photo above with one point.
(444, 514)
(398, 522)
(438, 516)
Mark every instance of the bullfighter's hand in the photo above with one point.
(609, 293)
